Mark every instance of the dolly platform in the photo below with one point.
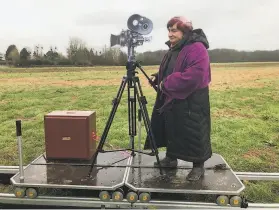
(218, 178)
(74, 175)
(118, 176)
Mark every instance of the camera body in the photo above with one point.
(138, 26)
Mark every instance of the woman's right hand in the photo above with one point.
(154, 78)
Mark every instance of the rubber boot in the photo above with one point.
(197, 172)
(167, 162)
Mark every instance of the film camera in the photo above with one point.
(138, 26)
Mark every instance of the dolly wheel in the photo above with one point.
(235, 201)
(19, 192)
(132, 197)
(104, 196)
(117, 196)
(144, 197)
(222, 200)
(31, 193)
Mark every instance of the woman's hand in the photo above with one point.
(154, 78)
(161, 84)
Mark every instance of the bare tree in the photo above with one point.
(77, 52)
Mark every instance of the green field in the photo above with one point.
(244, 107)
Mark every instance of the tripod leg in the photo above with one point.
(132, 114)
(142, 103)
(144, 112)
(116, 102)
(139, 120)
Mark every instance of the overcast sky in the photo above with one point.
(238, 24)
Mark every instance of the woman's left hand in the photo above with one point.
(160, 86)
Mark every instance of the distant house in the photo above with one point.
(2, 59)
(1, 56)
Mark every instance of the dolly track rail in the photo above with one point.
(258, 176)
(9, 169)
(12, 170)
(6, 198)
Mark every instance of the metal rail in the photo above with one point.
(241, 175)
(258, 176)
(9, 169)
(6, 198)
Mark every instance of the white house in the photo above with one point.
(2, 57)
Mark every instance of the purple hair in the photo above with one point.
(183, 24)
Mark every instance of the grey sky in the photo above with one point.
(238, 24)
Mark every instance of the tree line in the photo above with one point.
(78, 54)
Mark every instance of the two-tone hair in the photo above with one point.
(183, 24)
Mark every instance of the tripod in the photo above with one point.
(134, 92)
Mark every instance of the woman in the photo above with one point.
(181, 116)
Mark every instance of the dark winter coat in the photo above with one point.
(180, 119)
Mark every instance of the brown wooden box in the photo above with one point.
(70, 134)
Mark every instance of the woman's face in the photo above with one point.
(175, 35)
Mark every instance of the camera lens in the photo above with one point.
(145, 26)
(135, 22)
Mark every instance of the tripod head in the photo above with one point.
(138, 26)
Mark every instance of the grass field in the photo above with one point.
(244, 107)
